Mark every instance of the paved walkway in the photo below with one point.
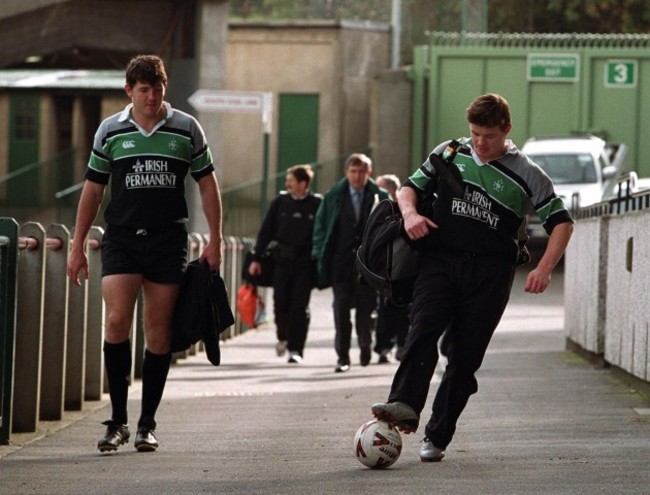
(544, 421)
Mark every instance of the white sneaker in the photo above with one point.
(281, 347)
(429, 452)
(295, 357)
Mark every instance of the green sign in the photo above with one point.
(553, 67)
(621, 73)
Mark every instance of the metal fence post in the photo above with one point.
(95, 330)
(198, 243)
(227, 272)
(75, 365)
(8, 271)
(29, 330)
(56, 289)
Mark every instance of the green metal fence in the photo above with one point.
(242, 203)
(555, 83)
(36, 184)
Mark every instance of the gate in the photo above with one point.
(556, 84)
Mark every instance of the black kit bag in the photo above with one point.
(386, 259)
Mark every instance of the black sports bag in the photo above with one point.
(386, 259)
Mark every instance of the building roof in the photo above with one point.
(62, 79)
(363, 25)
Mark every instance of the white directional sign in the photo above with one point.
(210, 100)
(205, 100)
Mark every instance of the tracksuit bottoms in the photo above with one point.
(468, 291)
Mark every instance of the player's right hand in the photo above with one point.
(418, 226)
(77, 263)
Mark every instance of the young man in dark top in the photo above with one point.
(145, 153)
(289, 222)
(468, 266)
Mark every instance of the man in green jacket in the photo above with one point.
(340, 221)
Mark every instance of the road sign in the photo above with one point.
(212, 100)
(557, 67)
(621, 73)
(206, 100)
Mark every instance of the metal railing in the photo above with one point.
(536, 40)
(36, 184)
(627, 197)
(52, 332)
(241, 202)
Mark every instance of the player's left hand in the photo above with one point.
(537, 281)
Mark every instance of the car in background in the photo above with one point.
(583, 168)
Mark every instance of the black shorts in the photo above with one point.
(159, 254)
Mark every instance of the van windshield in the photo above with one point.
(568, 168)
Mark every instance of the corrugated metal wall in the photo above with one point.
(556, 84)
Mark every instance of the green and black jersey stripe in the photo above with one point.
(497, 197)
(147, 171)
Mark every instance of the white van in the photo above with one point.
(583, 169)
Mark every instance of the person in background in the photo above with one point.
(338, 230)
(392, 320)
(468, 265)
(144, 152)
(289, 224)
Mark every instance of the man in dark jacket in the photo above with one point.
(289, 223)
(339, 226)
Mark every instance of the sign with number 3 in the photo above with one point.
(621, 73)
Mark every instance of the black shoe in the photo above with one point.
(116, 434)
(398, 414)
(342, 368)
(364, 357)
(383, 356)
(145, 438)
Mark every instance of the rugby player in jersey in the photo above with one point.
(471, 248)
(144, 153)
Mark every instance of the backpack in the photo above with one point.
(386, 259)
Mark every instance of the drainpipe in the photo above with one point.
(396, 30)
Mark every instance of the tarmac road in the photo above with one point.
(544, 421)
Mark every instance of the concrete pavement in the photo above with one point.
(544, 421)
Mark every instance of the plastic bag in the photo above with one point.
(248, 304)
